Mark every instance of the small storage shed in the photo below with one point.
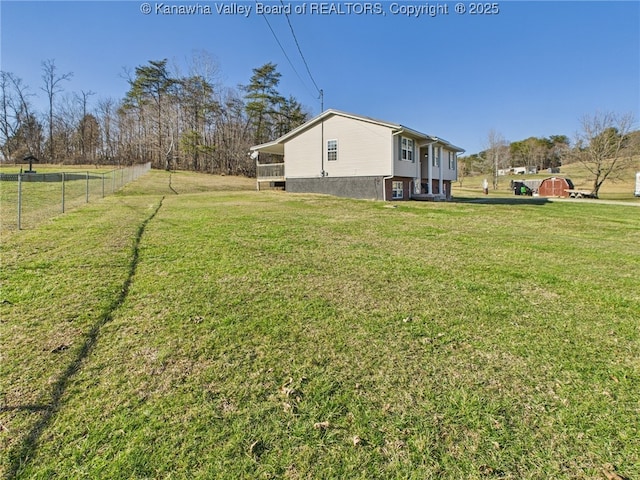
(555, 187)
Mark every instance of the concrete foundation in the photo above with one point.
(350, 187)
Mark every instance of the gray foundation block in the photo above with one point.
(351, 187)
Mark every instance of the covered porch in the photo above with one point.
(436, 168)
(270, 172)
(436, 194)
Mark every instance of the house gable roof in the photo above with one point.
(277, 146)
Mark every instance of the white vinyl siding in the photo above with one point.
(363, 149)
(402, 167)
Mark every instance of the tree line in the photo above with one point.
(539, 152)
(173, 119)
(605, 145)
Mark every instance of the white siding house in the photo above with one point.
(354, 156)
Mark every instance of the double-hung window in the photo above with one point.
(407, 149)
(397, 190)
(332, 150)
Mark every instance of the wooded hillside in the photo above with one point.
(173, 119)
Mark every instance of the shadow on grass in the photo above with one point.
(170, 186)
(504, 200)
(25, 408)
(20, 456)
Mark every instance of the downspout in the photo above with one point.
(418, 172)
(393, 152)
(384, 187)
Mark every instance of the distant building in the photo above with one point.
(555, 187)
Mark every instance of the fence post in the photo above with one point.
(62, 192)
(87, 176)
(103, 185)
(19, 200)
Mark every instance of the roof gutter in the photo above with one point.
(450, 145)
(401, 129)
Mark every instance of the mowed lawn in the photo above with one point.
(204, 330)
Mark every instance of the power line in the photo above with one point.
(287, 56)
(300, 50)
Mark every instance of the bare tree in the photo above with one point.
(52, 86)
(601, 146)
(466, 166)
(107, 119)
(65, 136)
(496, 154)
(199, 104)
(83, 134)
(15, 116)
(232, 137)
(88, 139)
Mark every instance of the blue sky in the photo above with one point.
(533, 69)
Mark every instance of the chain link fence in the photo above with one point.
(27, 199)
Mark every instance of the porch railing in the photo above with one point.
(270, 172)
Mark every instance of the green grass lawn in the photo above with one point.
(204, 330)
(45, 195)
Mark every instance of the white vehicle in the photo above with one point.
(637, 192)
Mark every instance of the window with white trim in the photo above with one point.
(332, 150)
(397, 190)
(436, 157)
(452, 161)
(407, 149)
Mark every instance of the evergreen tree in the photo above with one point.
(151, 87)
(263, 101)
(290, 115)
(197, 102)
